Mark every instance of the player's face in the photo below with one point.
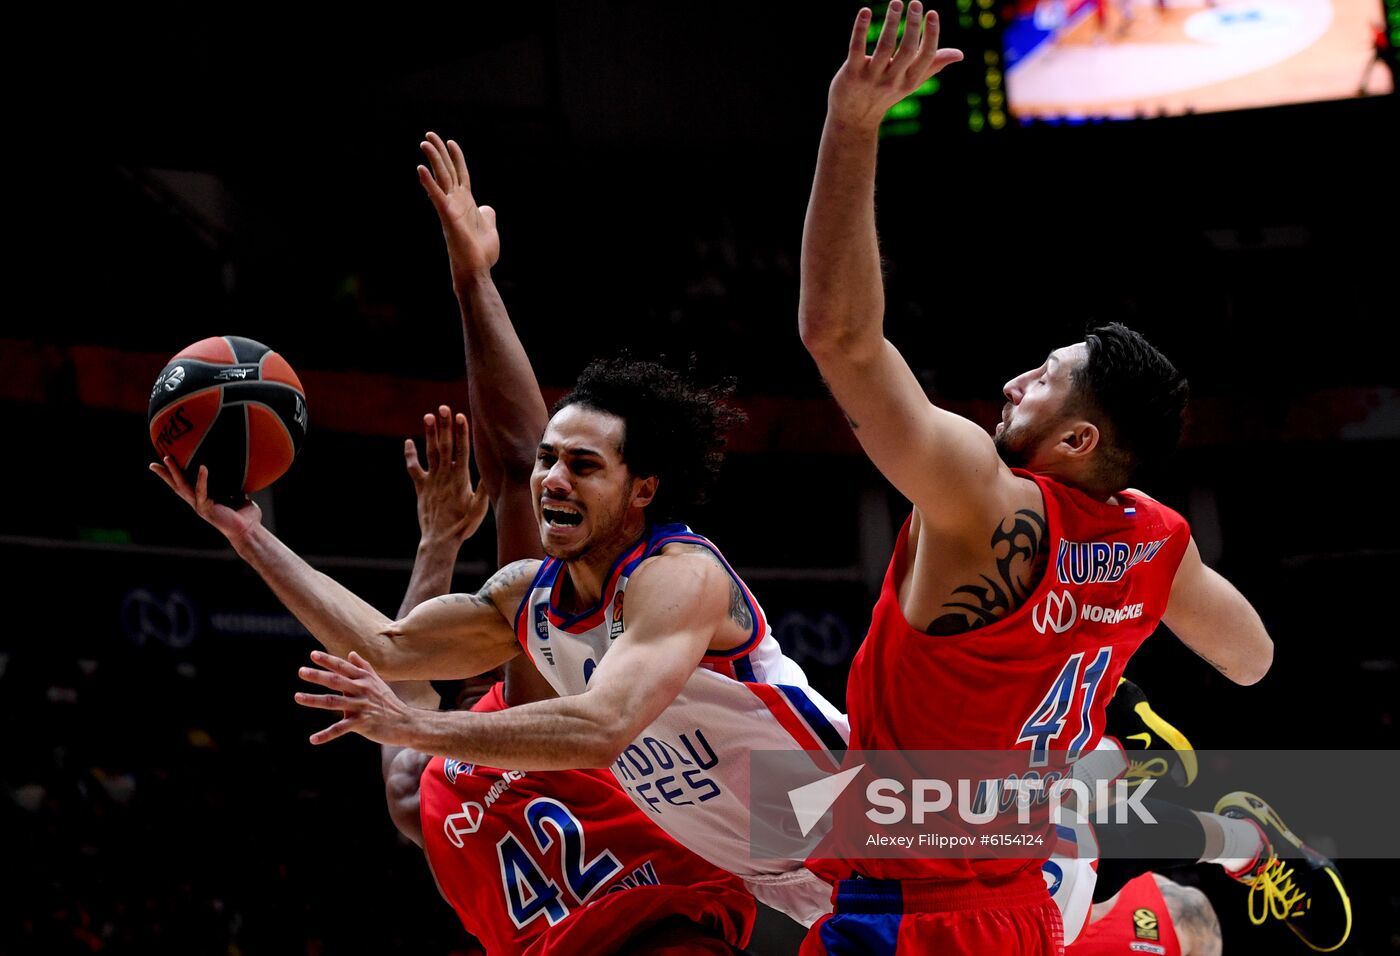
(582, 489)
(1036, 402)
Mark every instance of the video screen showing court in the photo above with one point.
(1085, 60)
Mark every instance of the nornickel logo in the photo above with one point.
(1058, 613)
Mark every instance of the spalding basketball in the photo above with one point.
(234, 405)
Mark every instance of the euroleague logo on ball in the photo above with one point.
(169, 380)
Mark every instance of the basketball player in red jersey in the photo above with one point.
(1026, 574)
(1151, 915)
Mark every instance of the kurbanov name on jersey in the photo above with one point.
(1092, 562)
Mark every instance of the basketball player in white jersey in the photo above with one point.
(671, 687)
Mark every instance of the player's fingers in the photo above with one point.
(430, 186)
(445, 435)
(162, 473)
(488, 216)
(430, 442)
(327, 702)
(909, 43)
(459, 163)
(438, 164)
(365, 667)
(410, 460)
(928, 43)
(856, 52)
(328, 679)
(461, 439)
(201, 489)
(167, 472)
(884, 47)
(441, 148)
(944, 58)
(338, 729)
(338, 664)
(477, 510)
(177, 475)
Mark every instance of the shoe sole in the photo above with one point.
(1346, 906)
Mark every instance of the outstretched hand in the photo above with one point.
(470, 230)
(449, 508)
(234, 523)
(866, 87)
(369, 707)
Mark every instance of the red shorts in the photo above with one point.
(646, 914)
(887, 917)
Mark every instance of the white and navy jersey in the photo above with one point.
(689, 770)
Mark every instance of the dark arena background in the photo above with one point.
(230, 172)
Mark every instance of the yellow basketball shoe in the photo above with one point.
(1137, 727)
(1292, 882)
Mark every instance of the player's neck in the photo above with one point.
(1080, 479)
(588, 574)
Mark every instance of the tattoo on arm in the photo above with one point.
(499, 583)
(739, 611)
(1213, 663)
(739, 607)
(1018, 544)
(855, 426)
(471, 599)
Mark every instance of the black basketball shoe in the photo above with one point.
(1291, 882)
(1137, 727)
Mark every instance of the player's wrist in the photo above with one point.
(851, 124)
(468, 278)
(440, 542)
(248, 538)
(428, 732)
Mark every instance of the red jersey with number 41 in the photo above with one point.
(1038, 679)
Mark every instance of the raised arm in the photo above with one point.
(503, 395)
(675, 605)
(929, 454)
(458, 635)
(446, 515)
(1216, 621)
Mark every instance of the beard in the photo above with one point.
(1017, 444)
(1011, 451)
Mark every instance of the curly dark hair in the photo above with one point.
(1139, 396)
(673, 428)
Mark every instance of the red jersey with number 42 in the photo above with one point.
(562, 861)
(1040, 678)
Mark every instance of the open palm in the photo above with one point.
(470, 230)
